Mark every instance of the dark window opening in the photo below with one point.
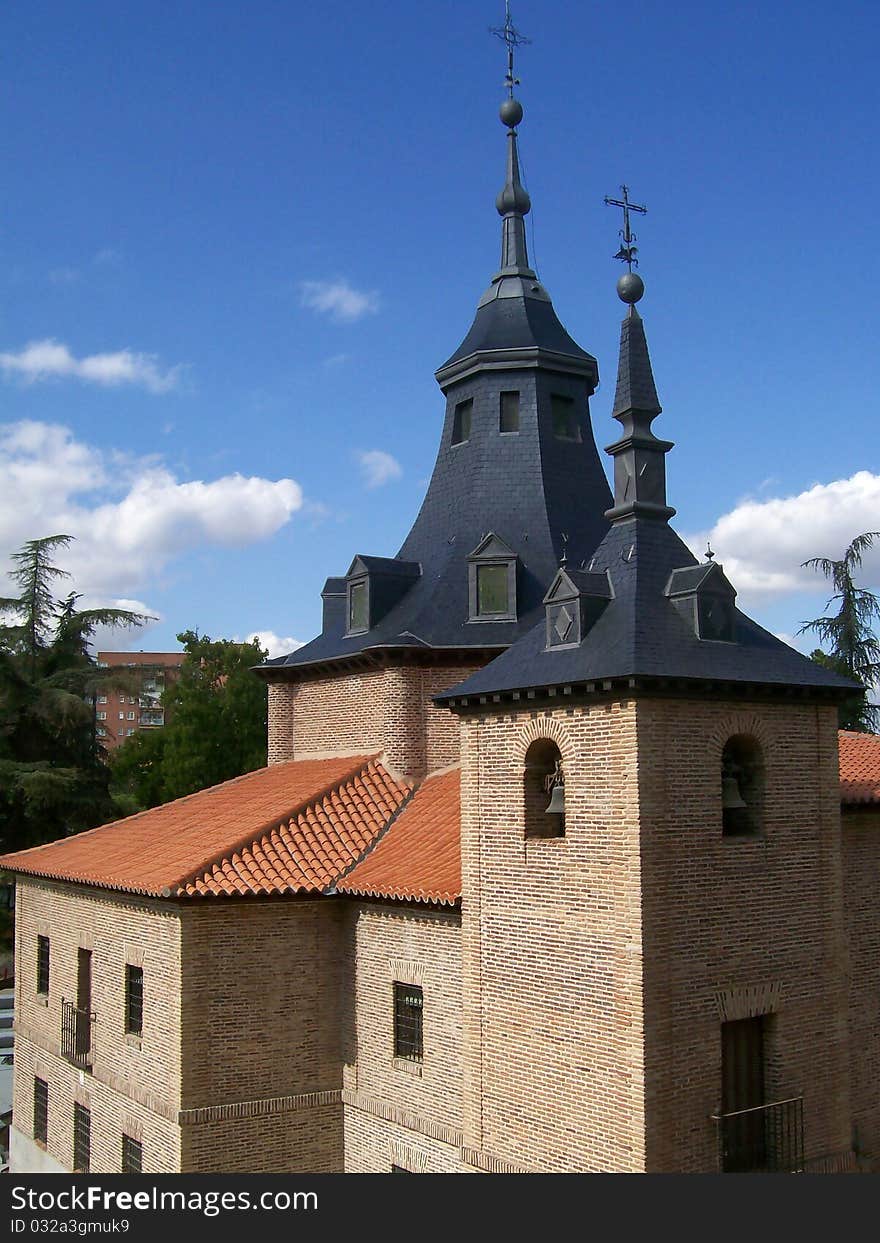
(742, 787)
(742, 1089)
(43, 965)
(134, 1000)
(492, 584)
(357, 607)
(461, 421)
(543, 771)
(132, 1156)
(565, 421)
(509, 418)
(82, 1139)
(408, 1003)
(41, 1111)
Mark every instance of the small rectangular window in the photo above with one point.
(102, 699)
(41, 1111)
(101, 716)
(357, 607)
(134, 1000)
(565, 423)
(132, 1156)
(492, 581)
(131, 716)
(408, 1001)
(509, 421)
(82, 1139)
(43, 965)
(461, 421)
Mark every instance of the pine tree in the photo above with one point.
(53, 775)
(849, 632)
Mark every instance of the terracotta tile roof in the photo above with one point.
(283, 829)
(419, 857)
(310, 850)
(859, 767)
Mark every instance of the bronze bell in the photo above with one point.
(556, 806)
(731, 795)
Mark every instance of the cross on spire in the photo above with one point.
(510, 36)
(628, 251)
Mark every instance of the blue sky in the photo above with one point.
(236, 241)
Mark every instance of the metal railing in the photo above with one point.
(76, 1034)
(767, 1139)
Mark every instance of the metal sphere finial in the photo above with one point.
(630, 288)
(511, 112)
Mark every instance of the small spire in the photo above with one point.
(513, 203)
(710, 556)
(639, 456)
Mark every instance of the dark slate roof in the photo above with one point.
(385, 565)
(635, 379)
(641, 633)
(506, 323)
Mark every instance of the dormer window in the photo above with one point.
(573, 604)
(461, 421)
(358, 608)
(564, 417)
(509, 414)
(492, 581)
(373, 586)
(706, 600)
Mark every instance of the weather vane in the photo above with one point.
(510, 36)
(627, 251)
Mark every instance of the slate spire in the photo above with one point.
(639, 456)
(513, 203)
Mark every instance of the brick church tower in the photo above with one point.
(669, 950)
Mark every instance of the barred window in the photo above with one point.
(132, 1156)
(82, 1139)
(134, 1000)
(408, 1001)
(43, 965)
(41, 1111)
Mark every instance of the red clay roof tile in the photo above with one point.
(419, 857)
(859, 767)
(255, 834)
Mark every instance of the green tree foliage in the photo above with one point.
(53, 775)
(217, 722)
(848, 632)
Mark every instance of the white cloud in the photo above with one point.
(270, 642)
(52, 360)
(338, 299)
(130, 517)
(378, 467)
(763, 543)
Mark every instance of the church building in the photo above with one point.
(559, 863)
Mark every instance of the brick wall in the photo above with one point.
(735, 927)
(387, 709)
(552, 947)
(261, 1023)
(861, 879)
(132, 1080)
(598, 967)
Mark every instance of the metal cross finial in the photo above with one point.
(509, 35)
(627, 251)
